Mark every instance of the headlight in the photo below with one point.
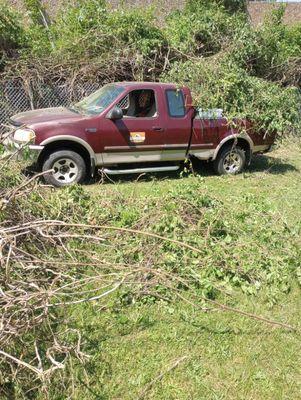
(24, 135)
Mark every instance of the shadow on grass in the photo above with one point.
(95, 393)
(229, 331)
(271, 165)
(260, 163)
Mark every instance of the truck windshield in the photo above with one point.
(99, 100)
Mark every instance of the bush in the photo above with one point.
(81, 28)
(202, 29)
(11, 32)
(90, 29)
(136, 28)
(38, 32)
(35, 11)
(217, 84)
(231, 6)
(269, 50)
(211, 46)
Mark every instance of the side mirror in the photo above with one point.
(115, 113)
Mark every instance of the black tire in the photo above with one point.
(230, 161)
(69, 168)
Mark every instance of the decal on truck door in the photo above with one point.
(137, 137)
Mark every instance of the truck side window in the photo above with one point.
(175, 102)
(139, 104)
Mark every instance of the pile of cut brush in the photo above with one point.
(44, 269)
(40, 277)
(54, 257)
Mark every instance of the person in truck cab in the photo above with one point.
(146, 104)
(139, 104)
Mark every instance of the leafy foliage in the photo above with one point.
(249, 72)
(267, 51)
(221, 84)
(231, 6)
(12, 35)
(80, 29)
(244, 239)
(202, 28)
(89, 29)
(35, 10)
(137, 29)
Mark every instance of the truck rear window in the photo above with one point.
(175, 102)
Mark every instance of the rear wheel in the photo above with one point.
(68, 168)
(230, 161)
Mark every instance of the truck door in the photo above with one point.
(139, 135)
(178, 125)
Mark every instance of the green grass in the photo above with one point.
(228, 356)
(274, 177)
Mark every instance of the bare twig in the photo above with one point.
(250, 315)
(159, 377)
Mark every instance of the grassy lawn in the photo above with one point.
(274, 178)
(228, 357)
(173, 350)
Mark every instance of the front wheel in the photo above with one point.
(230, 161)
(68, 168)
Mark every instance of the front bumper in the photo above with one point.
(21, 151)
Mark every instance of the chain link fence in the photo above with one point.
(16, 97)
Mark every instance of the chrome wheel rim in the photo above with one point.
(232, 163)
(65, 170)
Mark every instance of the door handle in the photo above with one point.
(158, 128)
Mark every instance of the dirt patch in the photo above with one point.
(257, 10)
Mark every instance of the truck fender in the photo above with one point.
(75, 139)
(231, 137)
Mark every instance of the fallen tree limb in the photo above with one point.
(158, 378)
(49, 223)
(250, 315)
(41, 223)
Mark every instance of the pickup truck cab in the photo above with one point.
(132, 127)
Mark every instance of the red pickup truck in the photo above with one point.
(132, 127)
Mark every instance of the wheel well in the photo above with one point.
(66, 145)
(240, 142)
